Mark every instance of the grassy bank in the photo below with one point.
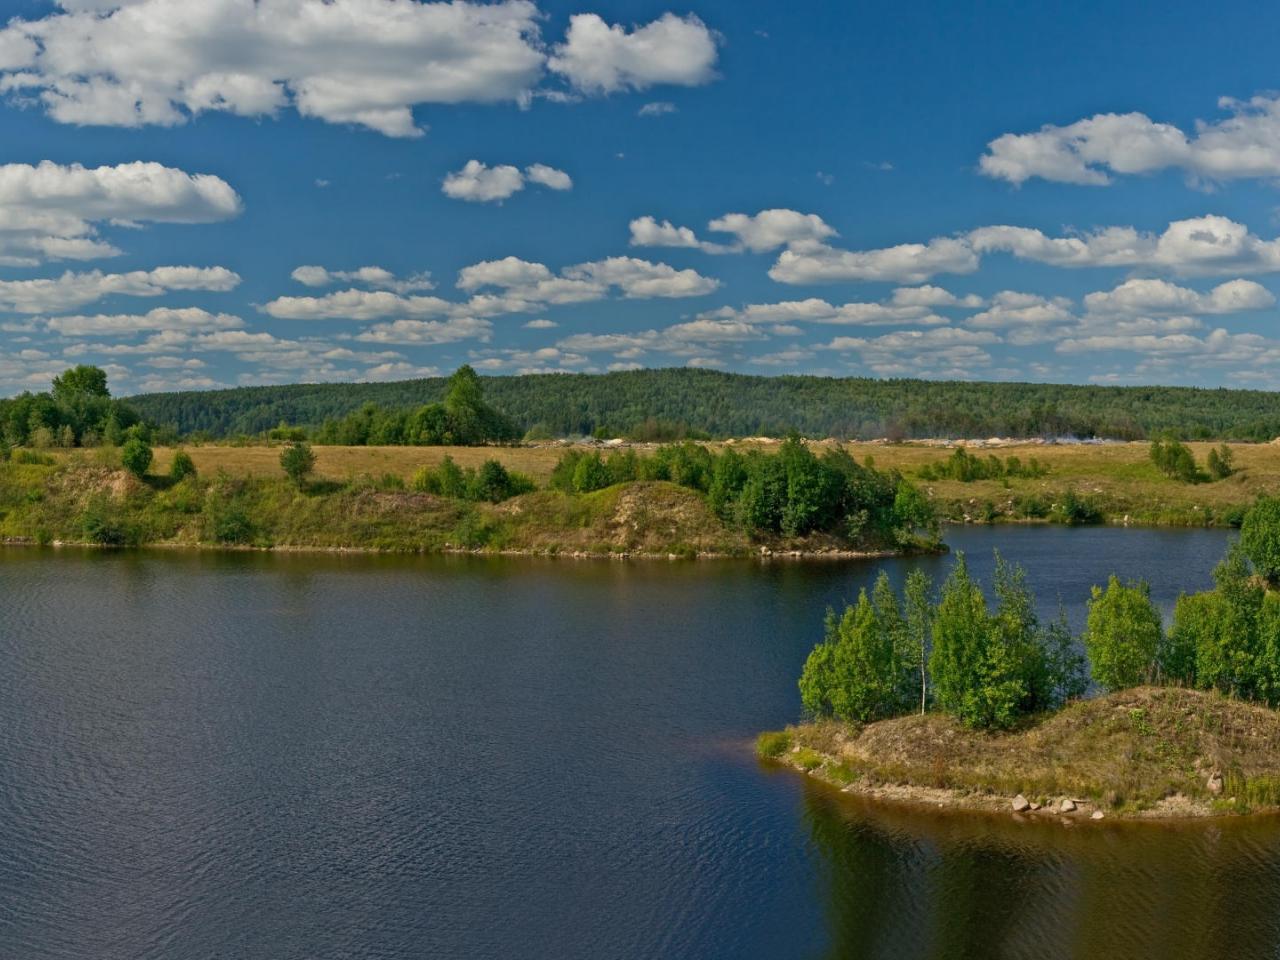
(1145, 752)
(1113, 483)
(84, 497)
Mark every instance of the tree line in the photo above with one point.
(993, 665)
(674, 404)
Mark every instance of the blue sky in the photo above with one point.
(204, 193)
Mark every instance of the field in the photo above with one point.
(1117, 479)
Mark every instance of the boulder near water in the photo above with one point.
(1067, 806)
(1021, 804)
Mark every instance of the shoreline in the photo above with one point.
(949, 800)
(758, 556)
(1144, 754)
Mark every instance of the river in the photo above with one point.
(266, 757)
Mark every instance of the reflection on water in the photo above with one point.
(264, 757)
(908, 882)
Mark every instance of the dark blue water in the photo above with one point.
(253, 756)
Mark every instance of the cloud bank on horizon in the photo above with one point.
(205, 193)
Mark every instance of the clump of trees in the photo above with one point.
(491, 483)
(78, 411)
(966, 467)
(462, 419)
(1176, 461)
(990, 667)
(987, 666)
(792, 492)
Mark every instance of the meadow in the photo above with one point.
(1117, 480)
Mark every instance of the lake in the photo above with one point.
(239, 755)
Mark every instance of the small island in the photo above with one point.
(955, 704)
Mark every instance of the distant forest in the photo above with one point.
(678, 403)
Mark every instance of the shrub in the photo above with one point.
(1260, 537)
(772, 744)
(297, 460)
(1123, 634)
(101, 524)
(1175, 461)
(1219, 462)
(136, 456)
(182, 467)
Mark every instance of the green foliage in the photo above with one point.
(1123, 635)
(862, 670)
(1260, 537)
(665, 405)
(103, 524)
(462, 419)
(966, 467)
(1075, 510)
(1219, 462)
(772, 744)
(1176, 461)
(790, 493)
(78, 410)
(135, 456)
(492, 482)
(181, 467)
(990, 668)
(297, 460)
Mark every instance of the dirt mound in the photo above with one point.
(98, 481)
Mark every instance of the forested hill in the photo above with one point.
(660, 404)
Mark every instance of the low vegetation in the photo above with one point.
(1011, 680)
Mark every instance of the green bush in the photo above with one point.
(1219, 462)
(966, 468)
(1176, 461)
(135, 456)
(1260, 537)
(182, 467)
(297, 460)
(1123, 635)
(772, 744)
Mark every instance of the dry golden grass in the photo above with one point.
(341, 463)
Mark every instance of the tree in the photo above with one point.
(1227, 652)
(297, 460)
(970, 679)
(1219, 462)
(1175, 460)
(856, 673)
(1260, 538)
(1123, 634)
(919, 616)
(79, 382)
(181, 467)
(135, 456)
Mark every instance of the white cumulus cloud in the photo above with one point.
(598, 57)
(479, 183)
(52, 211)
(1090, 151)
